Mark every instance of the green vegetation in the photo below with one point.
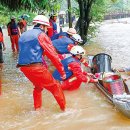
(90, 12)
(6, 14)
(119, 5)
(29, 7)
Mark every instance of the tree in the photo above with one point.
(90, 11)
(87, 9)
(69, 13)
(30, 4)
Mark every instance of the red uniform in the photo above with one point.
(50, 30)
(77, 77)
(14, 33)
(37, 73)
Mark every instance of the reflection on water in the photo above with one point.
(87, 108)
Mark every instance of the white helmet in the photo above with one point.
(13, 17)
(41, 19)
(77, 38)
(71, 31)
(75, 50)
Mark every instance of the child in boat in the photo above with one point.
(74, 74)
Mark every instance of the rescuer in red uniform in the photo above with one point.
(33, 44)
(14, 33)
(74, 74)
(52, 29)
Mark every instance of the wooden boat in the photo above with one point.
(110, 82)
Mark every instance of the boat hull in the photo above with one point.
(110, 83)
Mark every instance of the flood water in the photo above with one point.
(87, 108)
(114, 36)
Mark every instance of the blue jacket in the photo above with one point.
(61, 45)
(54, 27)
(30, 50)
(68, 72)
(56, 36)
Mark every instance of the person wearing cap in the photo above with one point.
(14, 33)
(52, 29)
(69, 33)
(74, 74)
(33, 45)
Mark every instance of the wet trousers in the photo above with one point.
(14, 42)
(71, 84)
(42, 78)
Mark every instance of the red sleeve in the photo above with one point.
(76, 69)
(50, 52)
(83, 61)
(50, 30)
(70, 46)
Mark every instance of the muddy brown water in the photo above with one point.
(87, 108)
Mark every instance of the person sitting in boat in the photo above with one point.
(74, 74)
(69, 33)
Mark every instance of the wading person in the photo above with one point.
(2, 48)
(52, 29)
(24, 23)
(21, 25)
(14, 33)
(33, 45)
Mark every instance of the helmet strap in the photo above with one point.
(76, 57)
(80, 57)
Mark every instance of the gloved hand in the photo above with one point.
(84, 72)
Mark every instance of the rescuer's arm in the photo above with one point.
(50, 52)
